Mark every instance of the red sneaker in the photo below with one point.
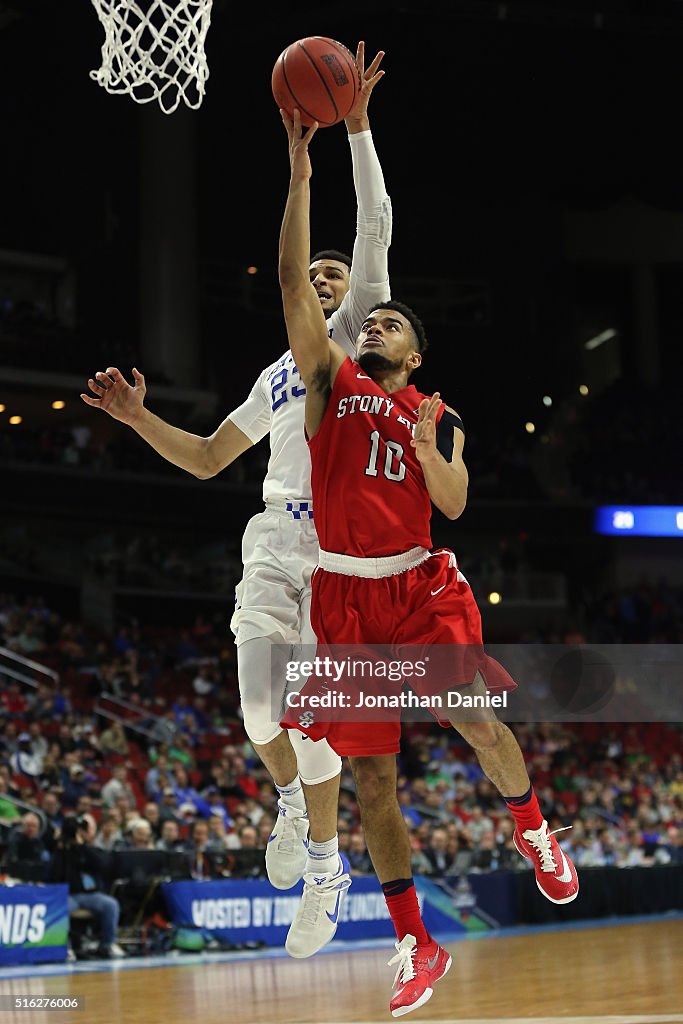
(418, 968)
(555, 874)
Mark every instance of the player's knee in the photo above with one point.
(375, 779)
(259, 722)
(315, 759)
(261, 672)
(259, 732)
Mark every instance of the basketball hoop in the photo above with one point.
(157, 53)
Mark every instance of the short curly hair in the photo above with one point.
(332, 254)
(412, 318)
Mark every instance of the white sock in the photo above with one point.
(292, 797)
(323, 857)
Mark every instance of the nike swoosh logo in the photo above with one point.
(333, 917)
(566, 875)
(361, 376)
(431, 964)
(435, 592)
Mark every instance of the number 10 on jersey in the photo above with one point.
(394, 467)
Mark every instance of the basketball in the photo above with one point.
(320, 77)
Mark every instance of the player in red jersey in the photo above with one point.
(381, 454)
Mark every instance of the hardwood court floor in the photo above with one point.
(621, 974)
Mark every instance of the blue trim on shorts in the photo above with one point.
(300, 509)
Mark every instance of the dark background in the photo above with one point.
(531, 151)
(489, 130)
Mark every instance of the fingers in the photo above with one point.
(288, 123)
(104, 380)
(360, 59)
(370, 83)
(139, 377)
(298, 130)
(426, 420)
(101, 383)
(431, 405)
(428, 407)
(374, 67)
(95, 386)
(434, 403)
(96, 403)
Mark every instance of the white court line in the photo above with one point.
(647, 1018)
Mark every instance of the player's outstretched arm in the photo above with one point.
(446, 481)
(369, 281)
(317, 359)
(203, 457)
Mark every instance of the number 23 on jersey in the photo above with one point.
(281, 387)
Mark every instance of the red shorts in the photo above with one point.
(428, 607)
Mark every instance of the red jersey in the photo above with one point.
(369, 492)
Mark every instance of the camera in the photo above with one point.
(72, 826)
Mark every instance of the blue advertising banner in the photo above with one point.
(34, 923)
(639, 520)
(253, 911)
(237, 912)
(471, 903)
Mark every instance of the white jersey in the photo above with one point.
(276, 405)
(276, 401)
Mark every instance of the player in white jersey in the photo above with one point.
(280, 545)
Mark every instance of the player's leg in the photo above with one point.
(319, 772)
(386, 835)
(445, 616)
(326, 872)
(258, 662)
(421, 960)
(278, 556)
(262, 664)
(266, 625)
(502, 761)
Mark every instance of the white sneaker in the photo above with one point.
(287, 848)
(318, 914)
(113, 952)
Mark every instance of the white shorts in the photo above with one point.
(279, 554)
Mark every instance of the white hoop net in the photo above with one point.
(154, 50)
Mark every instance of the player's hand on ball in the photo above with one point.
(369, 79)
(115, 395)
(424, 441)
(299, 159)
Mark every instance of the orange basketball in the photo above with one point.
(320, 77)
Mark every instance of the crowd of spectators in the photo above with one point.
(142, 738)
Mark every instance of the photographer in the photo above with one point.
(81, 866)
(27, 856)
